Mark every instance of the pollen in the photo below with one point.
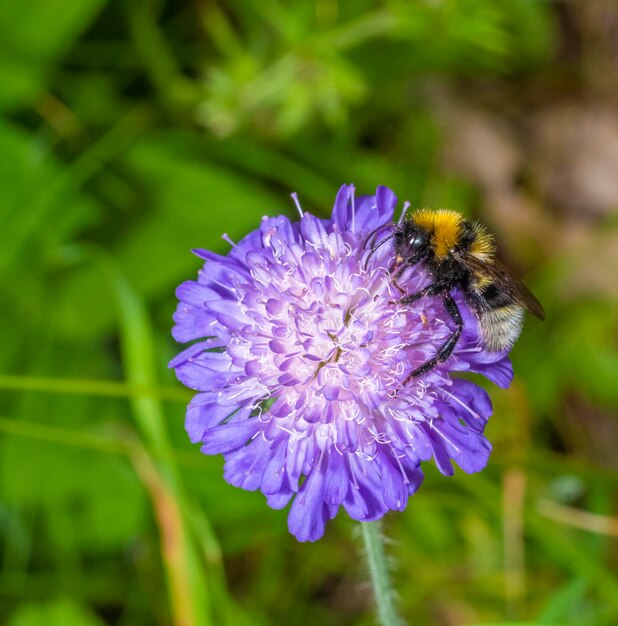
(444, 225)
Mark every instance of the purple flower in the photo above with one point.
(300, 357)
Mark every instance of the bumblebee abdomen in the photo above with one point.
(501, 326)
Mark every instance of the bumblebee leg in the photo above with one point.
(407, 264)
(398, 275)
(448, 346)
(429, 290)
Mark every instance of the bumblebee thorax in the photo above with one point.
(444, 227)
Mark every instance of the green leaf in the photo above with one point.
(63, 612)
(36, 193)
(87, 489)
(33, 35)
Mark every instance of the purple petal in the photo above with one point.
(275, 471)
(274, 306)
(373, 211)
(279, 500)
(469, 449)
(309, 513)
(229, 436)
(204, 413)
(466, 401)
(245, 466)
(440, 454)
(229, 314)
(394, 489)
(192, 323)
(194, 293)
(415, 478)
(203, 378)
(189, 353)
(341, 214)
(312, 230)
(500, 373)
(364, 501)
(336, 480)
(278, 347)
(277, 232)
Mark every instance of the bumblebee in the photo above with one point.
(459, 254)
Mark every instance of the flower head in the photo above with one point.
(301, 354)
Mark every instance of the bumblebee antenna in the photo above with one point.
(375, 231)
(375, 247)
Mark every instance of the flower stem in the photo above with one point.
(380, 579)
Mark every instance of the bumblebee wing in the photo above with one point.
(512, 288)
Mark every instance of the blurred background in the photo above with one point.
(133, 131)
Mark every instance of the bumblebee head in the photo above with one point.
(412, 241)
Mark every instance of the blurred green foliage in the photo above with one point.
(134, 130)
